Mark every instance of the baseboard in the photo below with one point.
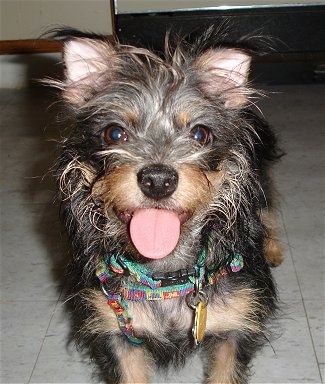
(29, 46)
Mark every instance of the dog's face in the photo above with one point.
(159, 146)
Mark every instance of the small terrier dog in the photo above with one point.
(167, 199)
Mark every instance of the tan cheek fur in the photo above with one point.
(119, 188)
(196, 188)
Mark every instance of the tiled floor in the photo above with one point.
(34, 325)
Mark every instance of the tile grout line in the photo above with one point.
(301, 295)
(44, 338)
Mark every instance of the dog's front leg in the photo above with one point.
(134, 363)
(224, 366)
(118, 360)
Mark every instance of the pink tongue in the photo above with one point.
(155, 232)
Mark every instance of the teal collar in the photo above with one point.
(145, 285)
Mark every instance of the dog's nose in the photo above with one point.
(157, 181)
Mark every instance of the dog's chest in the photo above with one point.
(161, 317)
(222, 316)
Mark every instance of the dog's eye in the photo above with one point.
(115, 134)
(201, 134)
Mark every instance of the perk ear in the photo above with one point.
(87, 63)
(225, 72)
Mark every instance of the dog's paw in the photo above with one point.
(273, 252)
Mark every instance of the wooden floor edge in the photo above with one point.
(29, 46)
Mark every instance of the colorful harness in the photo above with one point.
(145, 285)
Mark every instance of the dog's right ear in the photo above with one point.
(87, 66)
(224, 72)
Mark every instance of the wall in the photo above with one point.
(28, 19)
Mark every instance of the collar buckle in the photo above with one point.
(180, 276)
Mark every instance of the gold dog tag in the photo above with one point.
(200, 322)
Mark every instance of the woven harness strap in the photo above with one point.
(146, 287)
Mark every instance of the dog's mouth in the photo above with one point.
(154, 232)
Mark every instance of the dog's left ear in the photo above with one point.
(224, 73)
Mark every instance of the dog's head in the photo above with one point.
(160, 148)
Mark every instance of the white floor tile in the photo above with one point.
(322, 372)
(29, 260)
(315, 315)
(58, 360)
(25, 165)
(291, 357)
(23, 325)
(286, 279)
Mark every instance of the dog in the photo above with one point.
(167, 197)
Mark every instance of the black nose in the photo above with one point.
(157, 181)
